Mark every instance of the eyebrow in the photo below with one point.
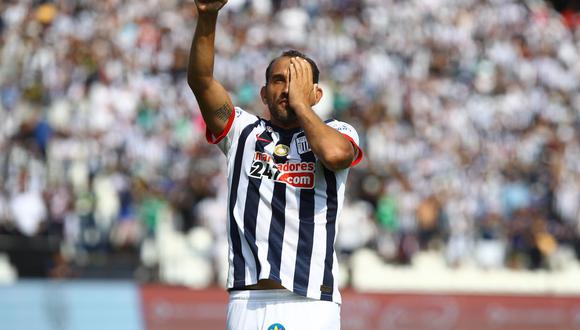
(278, 75)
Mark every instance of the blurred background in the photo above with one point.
(464, 214)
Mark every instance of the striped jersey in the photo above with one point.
(283, 206)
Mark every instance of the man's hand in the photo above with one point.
(301, 89)
(209, 6)
(333, 149)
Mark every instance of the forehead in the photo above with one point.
(280, 65)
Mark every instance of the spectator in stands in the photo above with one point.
(470, 114)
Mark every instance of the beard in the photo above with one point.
(283, 115)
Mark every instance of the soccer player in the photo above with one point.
(286, 180)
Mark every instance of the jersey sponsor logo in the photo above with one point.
(299, 179)
(299, 175)
(262, 157)
(276, 326)
(302, 145)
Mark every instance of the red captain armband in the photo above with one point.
(358, 150)
(215, 140)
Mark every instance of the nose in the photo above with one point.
(284, 93)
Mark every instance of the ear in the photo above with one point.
(263, 95)
(318, 93)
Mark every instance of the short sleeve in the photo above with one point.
(350, 133)
(238, 120)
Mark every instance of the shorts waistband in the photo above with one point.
(266, 295)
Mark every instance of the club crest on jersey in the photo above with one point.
(302, 145)
(282, 150)
(276, 326)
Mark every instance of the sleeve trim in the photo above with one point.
(215, 140)
(358, 151)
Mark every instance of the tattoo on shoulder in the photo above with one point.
(224, 112)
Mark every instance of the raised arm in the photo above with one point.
(333, 149)
(214, 101)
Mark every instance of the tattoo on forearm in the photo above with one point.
(224, 112)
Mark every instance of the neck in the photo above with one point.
(284, 125)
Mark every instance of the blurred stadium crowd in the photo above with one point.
(468, 111)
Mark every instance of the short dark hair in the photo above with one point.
(295, 53)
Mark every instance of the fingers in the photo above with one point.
(301, 81)
(303, 69)
(307, 70)
(296, 77)
(291, 74)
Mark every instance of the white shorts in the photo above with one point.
(280, 310)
